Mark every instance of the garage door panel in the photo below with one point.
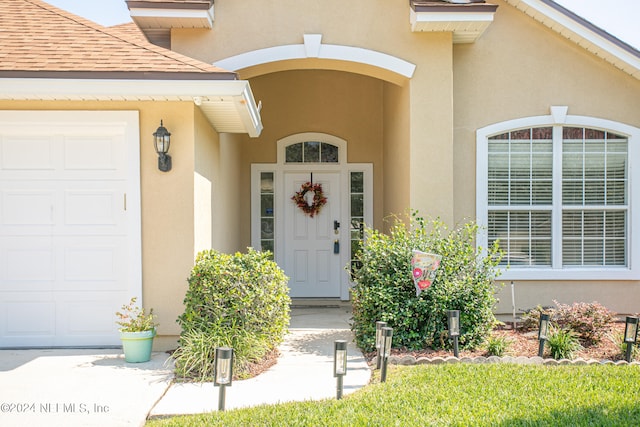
(92, 153)
(89, 321)
(28, 263)
(69, 245)
(27, 207)
(91, 265)
(96, 207)
(27, 153)
(27, 323)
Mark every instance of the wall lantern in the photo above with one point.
(379, 326)
(453, 321)
(223, 372)
(339, 364)
(161, 142)
(543, 332)
(385, 350)
(630, 335)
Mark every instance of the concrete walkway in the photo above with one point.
(98, 388)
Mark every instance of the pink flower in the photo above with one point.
(424, 284)
(417, 272)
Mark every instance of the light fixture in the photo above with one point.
(385, 350)
(161, 142)
(379, 326)
(223, 372)
(630, 335)
(543, 332)
(453, 322)
(339, 364)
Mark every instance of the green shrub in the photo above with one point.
(497, 346)
(563, 343)
(239, 300)
(384, 288)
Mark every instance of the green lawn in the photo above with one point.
(461, 395)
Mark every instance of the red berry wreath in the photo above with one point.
(318, 199)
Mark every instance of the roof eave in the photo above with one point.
(168, 15)
(467, 22)
(229, 105)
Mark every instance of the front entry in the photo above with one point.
(313, 252)
(312, 245)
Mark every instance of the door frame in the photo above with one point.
(342, 167)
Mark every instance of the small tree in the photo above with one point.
(384, 288)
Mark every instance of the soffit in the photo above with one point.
(228, 105)
(150, 14)
(467, 20)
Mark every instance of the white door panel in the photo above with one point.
(309, 259)
(69, 250)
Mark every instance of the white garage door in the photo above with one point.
(69, 225)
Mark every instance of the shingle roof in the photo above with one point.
(38, 37)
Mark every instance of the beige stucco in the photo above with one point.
(519, 68)
(419, 133)
(173, 204)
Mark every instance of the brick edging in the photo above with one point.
(521, 360)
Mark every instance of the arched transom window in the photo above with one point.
(311, 152)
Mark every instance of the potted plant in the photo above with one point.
(137, 330)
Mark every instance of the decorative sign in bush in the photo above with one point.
(424, 266)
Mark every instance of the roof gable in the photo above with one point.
(38, 37)
(583, 33)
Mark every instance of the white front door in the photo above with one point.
(311, 245)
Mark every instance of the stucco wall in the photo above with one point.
(342, 104)
(167, 199)
(519, 68)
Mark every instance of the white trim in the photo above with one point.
(633, 135)
(229, 105)
(321, 51)
(343, 168)
(313, 136)
(192, 16)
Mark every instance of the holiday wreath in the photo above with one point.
(318, 199)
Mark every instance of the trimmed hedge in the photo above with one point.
(240, 300)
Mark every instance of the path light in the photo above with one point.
(223, 372)
(453, 320)
(543, 331)
(630, 335)
(379, 326)
(161, 142)
(339, 364)
(385, 350)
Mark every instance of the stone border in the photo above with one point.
(521, 360)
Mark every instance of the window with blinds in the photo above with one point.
(584, 202)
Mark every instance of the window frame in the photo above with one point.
(557, 120)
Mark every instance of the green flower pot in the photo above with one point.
(137, 345)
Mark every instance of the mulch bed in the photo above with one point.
(525, 343)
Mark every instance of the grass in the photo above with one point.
(460, 395)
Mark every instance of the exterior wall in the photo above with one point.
(422, 125)
(396, 151)
(343, 104)
(519, 68)
(169, 223)
(207, 162)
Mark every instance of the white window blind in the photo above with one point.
(587, 211)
